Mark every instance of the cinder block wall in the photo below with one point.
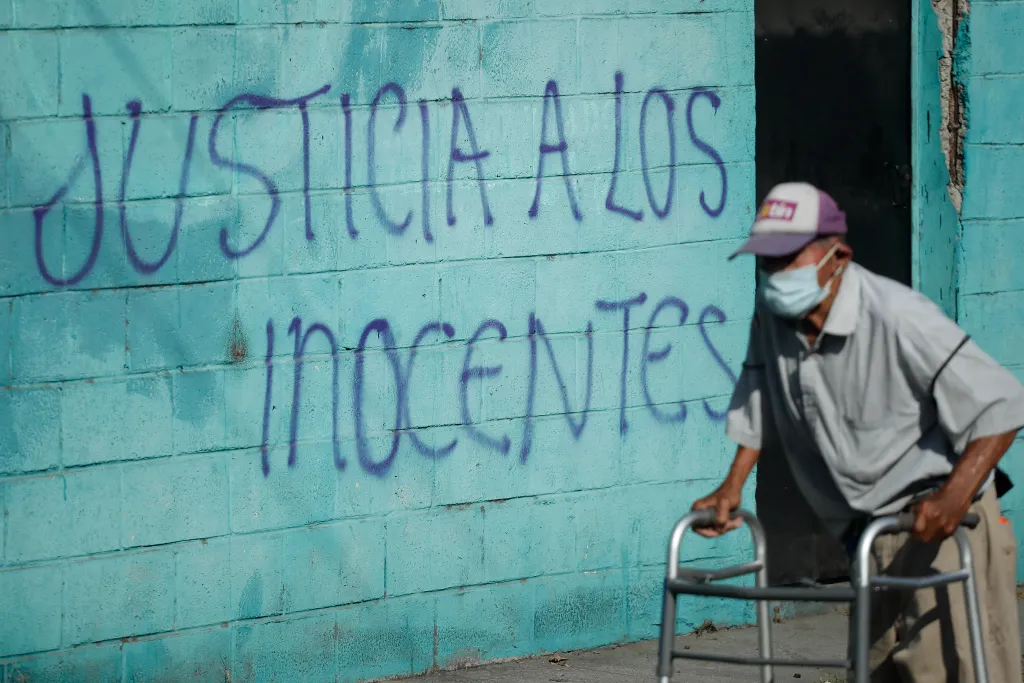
(342, 340)
(990, 63)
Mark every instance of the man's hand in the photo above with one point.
(724, 500)
(937, 517)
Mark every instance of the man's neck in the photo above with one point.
(814, 323)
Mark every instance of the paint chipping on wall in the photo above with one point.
(952, 17)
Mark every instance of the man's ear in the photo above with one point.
(845, 251)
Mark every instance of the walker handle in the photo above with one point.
(707, 517)
(905, 521)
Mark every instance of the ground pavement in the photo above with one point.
(820, 636)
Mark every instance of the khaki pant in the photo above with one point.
(922, 637)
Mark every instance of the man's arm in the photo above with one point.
(979, 406)
(744, 426)
(938, 517)
(728, 496)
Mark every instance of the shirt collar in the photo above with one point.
(842, 319)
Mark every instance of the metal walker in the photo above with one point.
(687, 581)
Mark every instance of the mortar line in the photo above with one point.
(282, 531)
(327, 104)
(179, 286)
(493, 422)
(344, 607)
(480, 54)
(283, 552)
(579, 53)
(286, 359)
(177, 583)
(63, 603)
(3, 522)
(119, 470)
(435, 183)
(428, 23)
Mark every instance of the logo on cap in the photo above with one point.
(778, 209)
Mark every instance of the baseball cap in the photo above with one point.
(792, 216)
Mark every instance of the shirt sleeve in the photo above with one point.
(974, 395)
(744, 421)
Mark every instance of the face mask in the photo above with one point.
(795, 293)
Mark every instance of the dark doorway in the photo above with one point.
(833, 109)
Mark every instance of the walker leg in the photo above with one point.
(860, 631)
(764, 638)
(862, 634)
(668, 612)
(973, 608)
(668, 636)
(764, 621)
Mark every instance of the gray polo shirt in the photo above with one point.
(884, 401)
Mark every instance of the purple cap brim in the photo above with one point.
(774, 244)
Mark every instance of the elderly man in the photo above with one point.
(881, 404)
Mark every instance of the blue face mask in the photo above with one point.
(795, 293)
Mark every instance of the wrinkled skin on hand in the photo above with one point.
(937, 517)
(723, 501)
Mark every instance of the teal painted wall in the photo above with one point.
(991, 285)
(975, 256)
(935, 229)
(217, 453)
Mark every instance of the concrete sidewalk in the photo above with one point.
(820, 636)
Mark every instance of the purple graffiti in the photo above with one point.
(670, 106)
(433, 453)
(561, 148)
(623, 306)
(371, 161)
(460, 113)
(536, 330)
(650, 357)
(141, 266)
(299, 358)
(304, 114)
(245, 169)
(470, 372)
(267, 400)
(609, 201)
(719, 316)
(425, 170)
(707, 149)
(404, 426)
(383, 331)
(465, 148)
(259, 102)
(346, 108)
(39, 213)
